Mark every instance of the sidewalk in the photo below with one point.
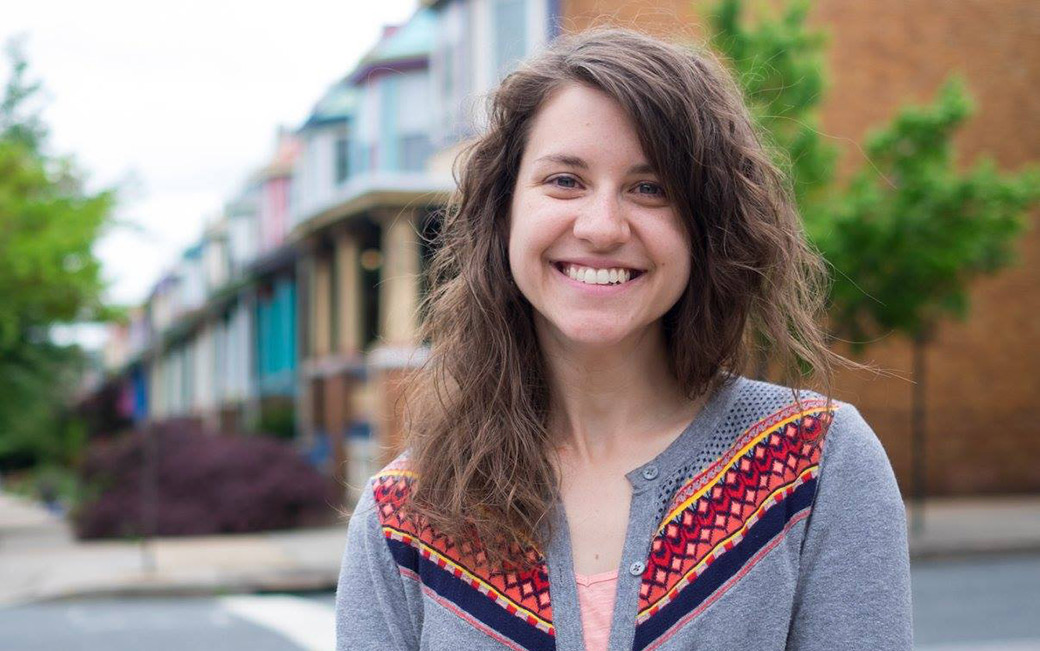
(40, 560)
(976, 525)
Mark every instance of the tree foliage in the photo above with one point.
(908, 233)
(48, 272)
(778, 61)
(912, 231)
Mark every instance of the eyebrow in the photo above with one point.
(579, 163)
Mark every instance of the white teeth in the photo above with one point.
(598, 276)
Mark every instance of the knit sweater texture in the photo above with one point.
(743, 533)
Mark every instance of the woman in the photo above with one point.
(586, 467)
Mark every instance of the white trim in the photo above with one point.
(396, 357)
(483, 55)
(537, 26)
(368, 182)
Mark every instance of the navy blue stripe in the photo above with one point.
(726, 566)
(469, 599)
(405, 555)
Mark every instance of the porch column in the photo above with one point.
(304, 403)
(398, 352)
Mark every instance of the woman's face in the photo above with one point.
(594, 244)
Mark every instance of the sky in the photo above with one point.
(176, 103)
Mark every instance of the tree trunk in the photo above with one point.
(919, 473)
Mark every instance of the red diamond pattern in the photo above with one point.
(776, 460)
(528, 590)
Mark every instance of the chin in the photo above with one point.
(592, 334)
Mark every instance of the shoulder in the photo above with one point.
(375, 606)
(382, 513)
(854, 456)
(845, 437)
(763, 439)
(817, 449)
(388, 491)
(398, 472)
(508, 605)
(760, 407)
(843, 454)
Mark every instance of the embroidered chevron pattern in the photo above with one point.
(512, 607)
(719, 520)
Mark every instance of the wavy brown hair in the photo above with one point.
(478, 409)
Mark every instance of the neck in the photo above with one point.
(615, 400)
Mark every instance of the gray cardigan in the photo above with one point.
(743, 533)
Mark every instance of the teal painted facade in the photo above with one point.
(276, 339)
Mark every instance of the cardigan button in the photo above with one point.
(637, 568)
(650, 473)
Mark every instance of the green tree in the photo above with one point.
(778, 61)
(48, 275)
(912, 232)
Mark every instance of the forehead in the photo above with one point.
(581, 121)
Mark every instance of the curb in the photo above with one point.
(981, 549)
(279, 582)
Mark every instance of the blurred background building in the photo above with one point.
(296, 312)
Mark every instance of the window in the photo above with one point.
(415, 149)
(366, 133)
(342, 159)
(447, 55)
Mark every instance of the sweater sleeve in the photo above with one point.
(373, 610)
(854, 580)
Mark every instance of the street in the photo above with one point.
(990, 604)
(257, 623)
(977, 604)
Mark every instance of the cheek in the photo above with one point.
(522, 250)
(529, 233)
(682, 274)
(681, 263)
(516, 235)
(672, 255)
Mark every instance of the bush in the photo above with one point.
(278, 418)
(205, 483)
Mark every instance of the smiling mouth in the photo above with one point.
(594, 276)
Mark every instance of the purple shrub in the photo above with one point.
(205, 483)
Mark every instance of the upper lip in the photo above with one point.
(599, 263)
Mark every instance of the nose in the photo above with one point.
(601, 221)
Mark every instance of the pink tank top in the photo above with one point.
(596, 598)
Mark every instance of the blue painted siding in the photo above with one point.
(139, 386)
(276, 339)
